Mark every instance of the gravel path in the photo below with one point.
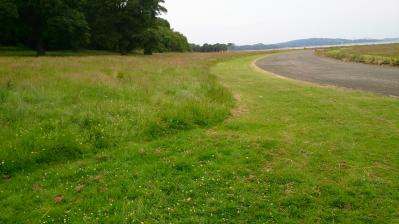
(306, 66)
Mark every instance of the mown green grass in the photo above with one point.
(288, 153)
(384, 54)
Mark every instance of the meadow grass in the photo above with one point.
(384, 54)
(287, 153)
(59, 108)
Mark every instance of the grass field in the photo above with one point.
(59, 108)
(159, 140)
(384, 54)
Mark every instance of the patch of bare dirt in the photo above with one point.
(240, 109)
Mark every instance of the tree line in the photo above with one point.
(115, 25)
(212, 47)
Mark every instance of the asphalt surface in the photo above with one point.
(306, 66)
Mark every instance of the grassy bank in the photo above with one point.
(385, 54)
(288, 153)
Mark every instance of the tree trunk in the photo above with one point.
(147, 51)
(39, 46)
(37, 29)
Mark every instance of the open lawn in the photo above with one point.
(383, 54)
(190, 138)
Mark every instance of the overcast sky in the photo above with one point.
(272, 21)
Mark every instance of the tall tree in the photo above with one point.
(123, 25)
(212, 47)
(58, 24)
(170, 40)
(151, 9)
(119, 25)
(8, 22)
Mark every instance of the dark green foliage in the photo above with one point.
(169, 40)
(8, 16)
(59, 24)
(116, 25)
(212, 47)
(149, 39)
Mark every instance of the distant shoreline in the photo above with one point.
(280, 46)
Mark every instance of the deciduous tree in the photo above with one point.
(58, 24)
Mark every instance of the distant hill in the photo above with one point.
(311, 42)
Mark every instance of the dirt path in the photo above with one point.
(306, 66)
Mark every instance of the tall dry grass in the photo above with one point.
(54, 109)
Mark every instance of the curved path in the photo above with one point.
(306, 66)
